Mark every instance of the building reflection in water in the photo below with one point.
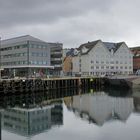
(136, 96)
(100, 107)
(32, 121)
(34, 113)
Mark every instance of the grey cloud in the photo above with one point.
(18, 12)
(72, 22)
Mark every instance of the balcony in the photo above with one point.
(56, 59)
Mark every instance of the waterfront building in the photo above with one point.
(27, 56)
(67, 61)
(67, 66)
(103, 58)
(56, 58)
(136, 58)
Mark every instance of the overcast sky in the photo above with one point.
(72, 22)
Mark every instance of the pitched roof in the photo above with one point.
(114, 46)
(108, 45)
(88, 45)
(135, 48)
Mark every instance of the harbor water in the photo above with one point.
(109, 114)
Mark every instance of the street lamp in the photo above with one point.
(0, 59)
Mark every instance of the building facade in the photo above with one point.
(26, 56)
(103, 58)
(67, 66)
(67, 61)
(136, 59)
(56, 50)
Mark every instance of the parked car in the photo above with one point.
(5, 77)
(137, 72)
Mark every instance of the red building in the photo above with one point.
(136, 58)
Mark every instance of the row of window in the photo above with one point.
(24, 62)
(107, 62)
(117, 56)
(111, 67)
(103, 73)
(36, 54)
(37, 46)
(17, 119)
(14, 55)
(14, 47)
(107, 73)
(38, 62)
(13, 63)
(24, 46)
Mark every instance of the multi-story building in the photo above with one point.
(136, 58)
(26, 56)
(67, 66)
(100, 58)
(56, 58)
(67, 61)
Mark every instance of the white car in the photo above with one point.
(138, 72)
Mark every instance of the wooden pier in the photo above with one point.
(40, 85)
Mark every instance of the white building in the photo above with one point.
(99, 58)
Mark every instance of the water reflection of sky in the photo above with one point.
(77, 126)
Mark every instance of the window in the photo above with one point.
(33, 54)
(35, 62)
(97, 62)
(40, 62)
(44, 62)
(92, 61)
(37, 54)
(39, 46)
(16, 47)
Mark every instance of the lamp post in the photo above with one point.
(0, 58)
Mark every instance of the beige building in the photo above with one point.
(67, 65)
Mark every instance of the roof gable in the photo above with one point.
(112, 46)
(87, 47)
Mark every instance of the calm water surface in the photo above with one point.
(102, 115)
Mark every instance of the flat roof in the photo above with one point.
(28, 66)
